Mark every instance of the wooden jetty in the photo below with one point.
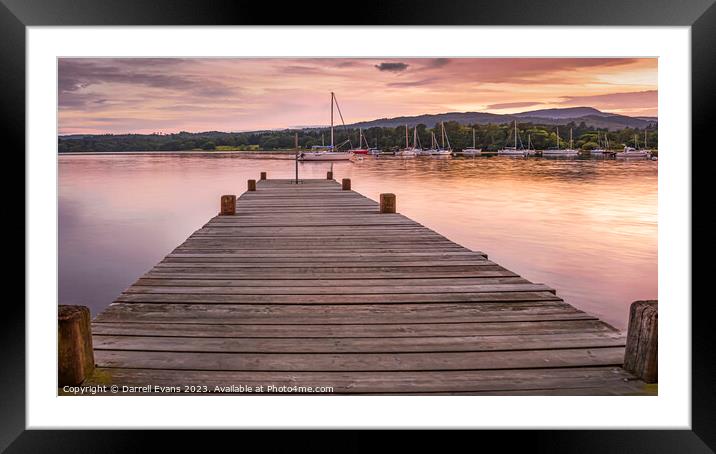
(315, 285)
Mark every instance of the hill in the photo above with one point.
(589, 115)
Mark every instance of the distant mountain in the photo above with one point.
(565, 113)
(589, 115)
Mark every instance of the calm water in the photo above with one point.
(587, 228)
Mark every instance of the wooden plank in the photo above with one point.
(332, 314)
(136, 327)
(455, 265)
(358, 345)
(521, 285)
(571, 380)
(496, 277)
(608, 356)
(251, 274)
(385, 299)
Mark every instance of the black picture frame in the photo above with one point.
(700, 15)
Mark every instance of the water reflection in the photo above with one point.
(586, 227)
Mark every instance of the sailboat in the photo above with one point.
(409, 152)
(530, 151)
(567, 152)
(633, 152)
(472, 151)
(329, 153)
(442, 151)
(360, 149)
(375, 151)
(599, 151)
(433, 146)
(511, 151)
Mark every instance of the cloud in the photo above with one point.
(76, 76)
(438, 62)
(414, 83)
(301, 69)
(392, 67)
(510, 105)
(636, 99)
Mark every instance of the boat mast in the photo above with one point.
(645, 138)
(473, 137)
(558, 137)
(442, 132)
(332, 96)
(570, 139)
(415, 137)
(529, 142)
(406, 136)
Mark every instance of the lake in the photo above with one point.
(587, 228)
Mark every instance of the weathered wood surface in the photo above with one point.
(311, 285)
(642, 353)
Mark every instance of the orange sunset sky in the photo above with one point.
(146, 95)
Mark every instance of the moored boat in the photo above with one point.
(327, 153)
(472, 151)
(360, 150)
(561, 153)
(512, 151)
(409, 152)
(441, 151)
(633, 152)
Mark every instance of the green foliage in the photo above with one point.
(487, 137)
(589, 146)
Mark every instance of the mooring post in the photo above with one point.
(641, 353)
(252, 185)
(346, 184)
(329, 175)
(228, 205)
(387, 203)
(263, 175)
(75, 357)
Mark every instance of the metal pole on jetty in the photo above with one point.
(296, 143)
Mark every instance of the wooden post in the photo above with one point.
(75, 357)
(263, 175)
(329, 175)
(228, 205)
(346, 184)
(641, 353)
(252, 185)
(387, 203)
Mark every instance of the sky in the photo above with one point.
(166, 95)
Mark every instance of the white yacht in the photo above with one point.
(600, 150)
(512, 151)
(530, 151)
(327, 153)
(633, 152)
(409, 152)
(442, 151)
(563, 153)
(472, 151)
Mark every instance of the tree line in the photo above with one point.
(487, 137)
